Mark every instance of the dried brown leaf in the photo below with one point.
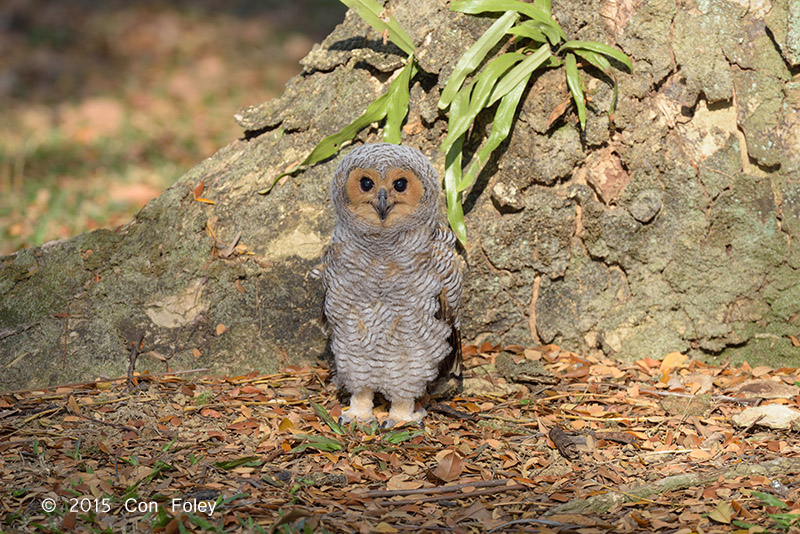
(563, 443)
(450, 467)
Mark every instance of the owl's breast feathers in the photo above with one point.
(417, 279)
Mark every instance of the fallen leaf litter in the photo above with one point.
(555, 441)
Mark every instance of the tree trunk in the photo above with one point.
(675, 228)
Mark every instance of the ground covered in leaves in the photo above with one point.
(540, 440)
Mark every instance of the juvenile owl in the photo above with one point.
(392, 284)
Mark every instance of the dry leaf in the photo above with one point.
(69, 522)
(402, 482)
(450, 467)
(413, 128)
(156, 355)
(557, 112)
(285, 424)
(671, 361)
(770, 415)
(700, 454)
(563, 442)
(767, 389)
(722, 513)
(72, 404)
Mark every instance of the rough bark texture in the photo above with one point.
(675, 230)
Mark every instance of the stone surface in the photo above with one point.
(674, 228)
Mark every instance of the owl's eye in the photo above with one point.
(400, 185)
(366, 184)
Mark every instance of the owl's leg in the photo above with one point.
(402, 410)
(360, 407)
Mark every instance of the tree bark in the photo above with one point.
(672, 228)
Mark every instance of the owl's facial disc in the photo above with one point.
(383, 200)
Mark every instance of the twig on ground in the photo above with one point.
(451, 412)
(132, 358)
(449, 496)
(440, 489)
(115, 379)
(545, 522)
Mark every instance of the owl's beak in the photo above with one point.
(383, 208)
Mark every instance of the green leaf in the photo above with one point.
(452, 172)
(769, 500)
(574, 84)
(232, 464)
(526, 30)
(478, 94)
(227, 500)
(599, 48)
(501, 127)
(544, 5)
(323, 414)
(376, 111)
(397, 106)
(600, 61)
(202, 522)
(534, 11)
(402, 435)
(785, 520)
(321, 443)
(452, 175)
(475, 55)
(371, 11)
(595, 59)
(522, 71)
(538, 31)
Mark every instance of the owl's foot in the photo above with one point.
(360, 408)
(402, 411)
(346, 419)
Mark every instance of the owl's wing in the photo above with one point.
(449, 380)
(328, 258)
(451, 365)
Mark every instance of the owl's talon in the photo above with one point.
(387, 424)
(403, 411)
(345, 420)
(390, 423)
(360, 408)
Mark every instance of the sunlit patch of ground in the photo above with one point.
(104, 104)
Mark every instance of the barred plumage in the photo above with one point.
(391, 279)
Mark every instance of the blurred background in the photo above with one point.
(105, 104)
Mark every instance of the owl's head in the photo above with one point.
(384, 186)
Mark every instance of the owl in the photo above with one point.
(392, 283)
